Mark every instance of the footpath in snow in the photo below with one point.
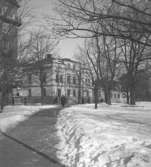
(111, 136)
(12, 115)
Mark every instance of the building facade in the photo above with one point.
(9, 23)
(61, 77)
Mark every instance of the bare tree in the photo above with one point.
(79, 15)
(79, 72)
(38, 46)
(104, 63)
(60, 77)
(85, 69)
(134, 57)
(118, 19)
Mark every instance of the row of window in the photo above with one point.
(70, 80)
(69, 92)
(44, 78)
(59, 79)
(115, 96)
(87, 81)
(69, 66)
(30, 93)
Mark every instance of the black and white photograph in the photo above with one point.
(75, 83)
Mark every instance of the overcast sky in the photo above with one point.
(68, 47)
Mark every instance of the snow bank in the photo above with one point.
(12, 115)
(112, 136)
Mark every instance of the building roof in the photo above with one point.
(49, 60)
(69, 60)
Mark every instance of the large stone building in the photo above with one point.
(61, 76)
(9, 23)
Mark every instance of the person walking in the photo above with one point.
(63, 100)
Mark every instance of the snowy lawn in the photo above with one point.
(12, 115)
(111, 136)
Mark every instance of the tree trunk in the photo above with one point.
(127, 97)
(79, 96)
(42, 93)
(132, 95)
(3, 100)
(41, 85)
(79, 88)
(109, 98)
(107, 94)
(96, 96)
(132, 99)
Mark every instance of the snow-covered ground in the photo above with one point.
(111, 136)
(12, 115)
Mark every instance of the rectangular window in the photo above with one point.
(74, 80)
(118, 95)
(57, 78)
(74, 93)
(30, 78)
(74, 67)
(29, 93)
(87, 93)
(68, 79)
(61, 79)
(68, 92)
(4, 9)
(44, 91)
(69, 66)
(5, 28)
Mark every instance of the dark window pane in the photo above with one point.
(61, 79)
(74, 93)
(57, 78)
(68, 79)
(68, 92)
